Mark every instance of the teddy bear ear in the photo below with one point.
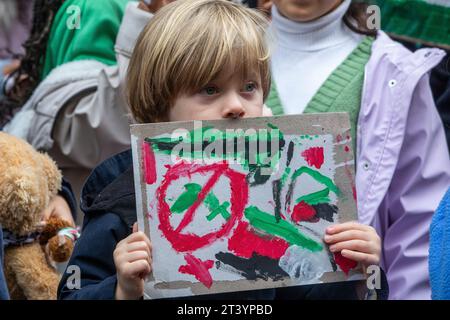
(21, 200)
(52, 173)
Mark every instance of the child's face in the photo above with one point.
(227, 96)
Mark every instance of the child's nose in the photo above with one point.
(233, 107)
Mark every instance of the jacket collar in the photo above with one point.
(110, 188)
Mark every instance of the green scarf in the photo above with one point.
(93, 40)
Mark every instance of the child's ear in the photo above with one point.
(265, 6)
(52, 173)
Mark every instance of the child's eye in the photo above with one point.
(209, 91)
(250, 87)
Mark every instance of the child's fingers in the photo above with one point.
(147, 241)
(364, 258)
(139, 268)
(132, 243)
(131, 257)
(135, 227)
(354, 245)
(352, 225)
(138, 236)
(346, 235)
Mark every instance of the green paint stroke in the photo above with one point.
(268, 223)
(187, 198)
(216, 208)
(316, 197)
(203, 137)
(222, 209)
(318, 177)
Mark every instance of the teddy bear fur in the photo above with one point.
(28, 181)
(59, 247)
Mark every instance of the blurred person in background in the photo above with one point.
(15, 26)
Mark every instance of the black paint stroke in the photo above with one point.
(287, 203)
(331, 258)
(276, 190)
(254, 176)
(290, 153)
(256, 267)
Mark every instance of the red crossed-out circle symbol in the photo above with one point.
(187, 241)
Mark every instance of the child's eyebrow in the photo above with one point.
(254, 75)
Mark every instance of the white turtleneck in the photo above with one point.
(305, 54)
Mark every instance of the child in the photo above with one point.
(181, 70)
(327, 59)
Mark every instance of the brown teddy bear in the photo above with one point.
(28, 181)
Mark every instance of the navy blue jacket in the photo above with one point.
(67, 193)
(108, 201)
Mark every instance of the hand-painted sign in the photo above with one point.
(235, 205)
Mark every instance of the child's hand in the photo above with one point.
(355, 241)
(58, 207)
(133, 261)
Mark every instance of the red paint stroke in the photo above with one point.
(354, 192)
(314, 156)
(347, 149)
(149, 163)
(303, 212)
(344, 263)
(289, 210)
(245, 242)
(198, 268)
(182, 242)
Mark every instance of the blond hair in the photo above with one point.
(186, 45)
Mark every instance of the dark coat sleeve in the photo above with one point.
(3, 289)
(93, 257)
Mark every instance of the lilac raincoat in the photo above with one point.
(403, 165)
